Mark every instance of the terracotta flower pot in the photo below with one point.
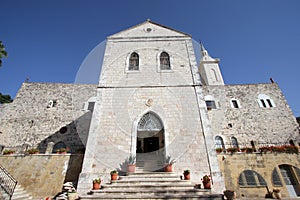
(187, 176)
(168, 168)
(130, 168)
(96, 186)
(207, 185)
(114, 177)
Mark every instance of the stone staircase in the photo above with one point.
(19, 193)
(151, 185)
(147, 162)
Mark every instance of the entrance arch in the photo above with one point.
(150, 142)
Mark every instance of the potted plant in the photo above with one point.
(8, 152)
(232, 150)
(169, 164)
(206, 181)
(96, 183)
(131, 164)
(276, 193)
(62, 150)
(114, 175)
(33, 151)
(219, 150)
(229, 194)
(187, 174)
(72, 194)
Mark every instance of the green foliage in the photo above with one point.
(170, 161)
(5, 98)
(113, 172)
(97, 180)
(298, 120)
(131, 159)
(3, 53)
(187, 171)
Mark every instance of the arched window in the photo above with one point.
(264, 101)
(133, 61)
(275, 178)
(58, 146)
(251, 178)
(219, 143)
(150, 122)
(164, 60)
(234, 142)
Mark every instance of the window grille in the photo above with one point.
(149, 122)
(275, 178)
(164, 61)
(251, 178)
(219, 143)
(134, 62)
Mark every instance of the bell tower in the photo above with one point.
(209, 69)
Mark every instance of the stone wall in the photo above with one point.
(232, 165)
(30, 120)
(43, 175)
(250, 122)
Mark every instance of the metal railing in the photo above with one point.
(7, 181)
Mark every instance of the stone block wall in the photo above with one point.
(232, 165)
(29, 119)
(43, 175)
(117, 113)
(250, 122)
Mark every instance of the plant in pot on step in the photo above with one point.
(206, 181)
(114, 175)
(169, 164)
(96, 183)
(187, 174)
(131, 164)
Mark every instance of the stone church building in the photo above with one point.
(156, 98)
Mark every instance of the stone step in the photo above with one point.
(151, 185)
(20, 193)
(156, 196)
(150, 182)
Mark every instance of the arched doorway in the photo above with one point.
(150, 143)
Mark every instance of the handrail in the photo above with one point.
(7, 181)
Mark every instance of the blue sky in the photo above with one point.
(47, 40)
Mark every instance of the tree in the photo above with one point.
(5, 98)
(298, 120)
(3, 53)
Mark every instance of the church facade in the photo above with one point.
(154, 101)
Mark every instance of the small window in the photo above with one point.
(234, 142)
(58, 146)
(251, 178)
(269, 103)
(133, 62)
(91, 106)
(265, 101)
(219, 143)
(235, 103)
(164, 61)
(210, 105)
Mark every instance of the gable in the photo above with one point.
(148, 29)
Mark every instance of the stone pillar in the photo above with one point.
(49, 148)
(216, 174)
(24, 148)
